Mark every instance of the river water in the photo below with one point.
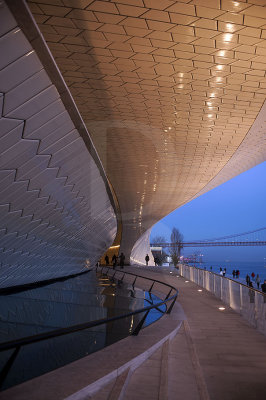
(244, 267)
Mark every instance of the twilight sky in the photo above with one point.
(236, 206)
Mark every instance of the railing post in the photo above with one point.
(8, 365)
(168, 294)
(151, 286)
(171, 306)
(139, 326)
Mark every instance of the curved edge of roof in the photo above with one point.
(249, 154)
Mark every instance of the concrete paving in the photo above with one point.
(215, 355)
(228, 356)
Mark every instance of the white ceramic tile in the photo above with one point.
(7, 20)
(28, 89)
(11, 138)
(26, 228)
(44, 178)
(8, 217)
(18, 71)
(13, 45)
(6, 178)
(32, 167)
(8, 239)
(18, 154)
(16, 224)
(54, 136)
(49, 127)
(35, 104)
(41, 118)
(7, 125)
(68, 152)
(54, 145)
(14, 192)
(45, 213)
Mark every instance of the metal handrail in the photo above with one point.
(17, 344)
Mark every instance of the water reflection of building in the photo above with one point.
(119, 299)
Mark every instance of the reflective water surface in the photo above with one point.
(77, 300)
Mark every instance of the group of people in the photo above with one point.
(121, 260)
(257, 281)
(254, 277)
(222, 271)
(236, 273)
(115, 260)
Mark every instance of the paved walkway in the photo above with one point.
(228, 356)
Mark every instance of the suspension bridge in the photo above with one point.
(252, 238)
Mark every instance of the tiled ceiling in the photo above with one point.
(168, 90)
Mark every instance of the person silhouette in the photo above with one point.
(114, 261)
(122, 260)
(257, 280)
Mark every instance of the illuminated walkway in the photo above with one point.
(215, 355)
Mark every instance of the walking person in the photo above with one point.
(106, 260)
(114, 261)
(248, 279)
(257, 280)
(251, 292)
(147, 259)
(263, 286)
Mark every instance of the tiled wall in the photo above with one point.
(55, 213)
(141, 249)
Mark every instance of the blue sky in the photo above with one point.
(236, 206)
